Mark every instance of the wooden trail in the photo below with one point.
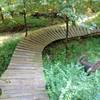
(24, 78)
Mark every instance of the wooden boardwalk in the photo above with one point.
(24, 78)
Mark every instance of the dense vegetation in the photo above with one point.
(12, 12)
(95, 20)
(17, 24)
(69, 81)
(6, 51)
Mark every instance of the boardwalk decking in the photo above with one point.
(24, 78)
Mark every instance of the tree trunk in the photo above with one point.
(25, 22)
(66, 39)
(2, 17)
(25, 19)
(12, 13)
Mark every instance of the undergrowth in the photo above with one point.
(6, 51)
(69, 81)
(17, 23)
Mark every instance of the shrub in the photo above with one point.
(69, 81)
(6, 51)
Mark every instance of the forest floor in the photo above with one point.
(6, 36)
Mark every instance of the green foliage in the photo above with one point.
(34, 22)
(71, 8)
(66, 7)
(6, 51)
(95, 20)
(18, 23)
(69, 81)
(88, 6)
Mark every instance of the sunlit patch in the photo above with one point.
(3, 38)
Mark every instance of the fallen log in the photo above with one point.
(88, 66)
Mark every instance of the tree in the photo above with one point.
(25, 20)
(66, 10)
(84, 6)
(2, 10)
(1, 13)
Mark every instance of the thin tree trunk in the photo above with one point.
(25, 22)
(66, 39)
(2, 17)
(25, 19)
(12, 13)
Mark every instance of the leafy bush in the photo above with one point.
(6, 51)
(41, 22)
(69, 81)
(17, 23)
(95, 20)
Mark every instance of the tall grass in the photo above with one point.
(6, 51)
(69, 81)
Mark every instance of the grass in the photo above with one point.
(6, 51)
(69, 81)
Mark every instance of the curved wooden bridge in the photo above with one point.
(24, 79)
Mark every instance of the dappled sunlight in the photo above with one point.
(7, 36)
(87, 18)
(3, 38)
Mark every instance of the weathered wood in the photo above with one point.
(24, 78)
